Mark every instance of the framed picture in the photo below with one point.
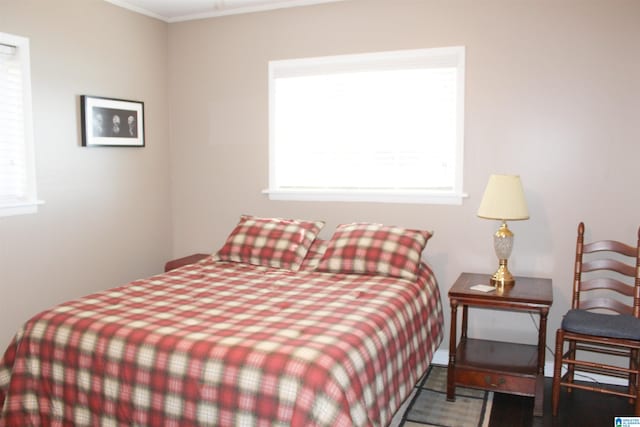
(111, 122)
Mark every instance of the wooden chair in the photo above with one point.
(604, 318)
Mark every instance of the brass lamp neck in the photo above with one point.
(503, 231)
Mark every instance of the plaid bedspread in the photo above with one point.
(221, 344)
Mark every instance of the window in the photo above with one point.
(371, 127)
(17, 167)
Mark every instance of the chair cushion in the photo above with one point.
(602, 325)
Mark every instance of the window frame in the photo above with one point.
(435, 57)
(29, 203)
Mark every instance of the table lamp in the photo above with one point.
(503, 200)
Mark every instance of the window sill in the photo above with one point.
(23, 208)
(412, 197)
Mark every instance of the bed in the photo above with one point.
(332, 333)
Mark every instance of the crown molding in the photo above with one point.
(219, 9)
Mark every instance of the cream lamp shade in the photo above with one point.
(503, 200)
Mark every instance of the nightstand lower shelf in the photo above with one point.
(497, 366)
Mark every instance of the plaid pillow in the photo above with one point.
(375, 249)
(270, 242)
(314, 255)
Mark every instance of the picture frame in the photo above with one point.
(111, 122)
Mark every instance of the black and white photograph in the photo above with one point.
(112, 122)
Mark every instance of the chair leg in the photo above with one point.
(636, 405)
(635, 385)
(571, 368)
(557, 370)
(633, 376)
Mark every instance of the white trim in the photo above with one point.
(221, 11)
(441, 357)
(368, 196)
(20, 208)
(126, 5)
(436, 57)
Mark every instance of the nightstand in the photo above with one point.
(494, 365)
(189, 259)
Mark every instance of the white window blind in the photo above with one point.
(376, 127)
(17, 169)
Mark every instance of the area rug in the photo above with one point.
(428, 405)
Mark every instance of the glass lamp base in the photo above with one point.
(502, 244)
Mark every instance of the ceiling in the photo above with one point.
(184, 10)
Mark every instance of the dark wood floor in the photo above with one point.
(581, 408)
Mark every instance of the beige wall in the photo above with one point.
(106, 217)
(552, 94)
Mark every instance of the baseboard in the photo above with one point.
(441, 357)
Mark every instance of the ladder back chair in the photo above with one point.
(604, 319)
